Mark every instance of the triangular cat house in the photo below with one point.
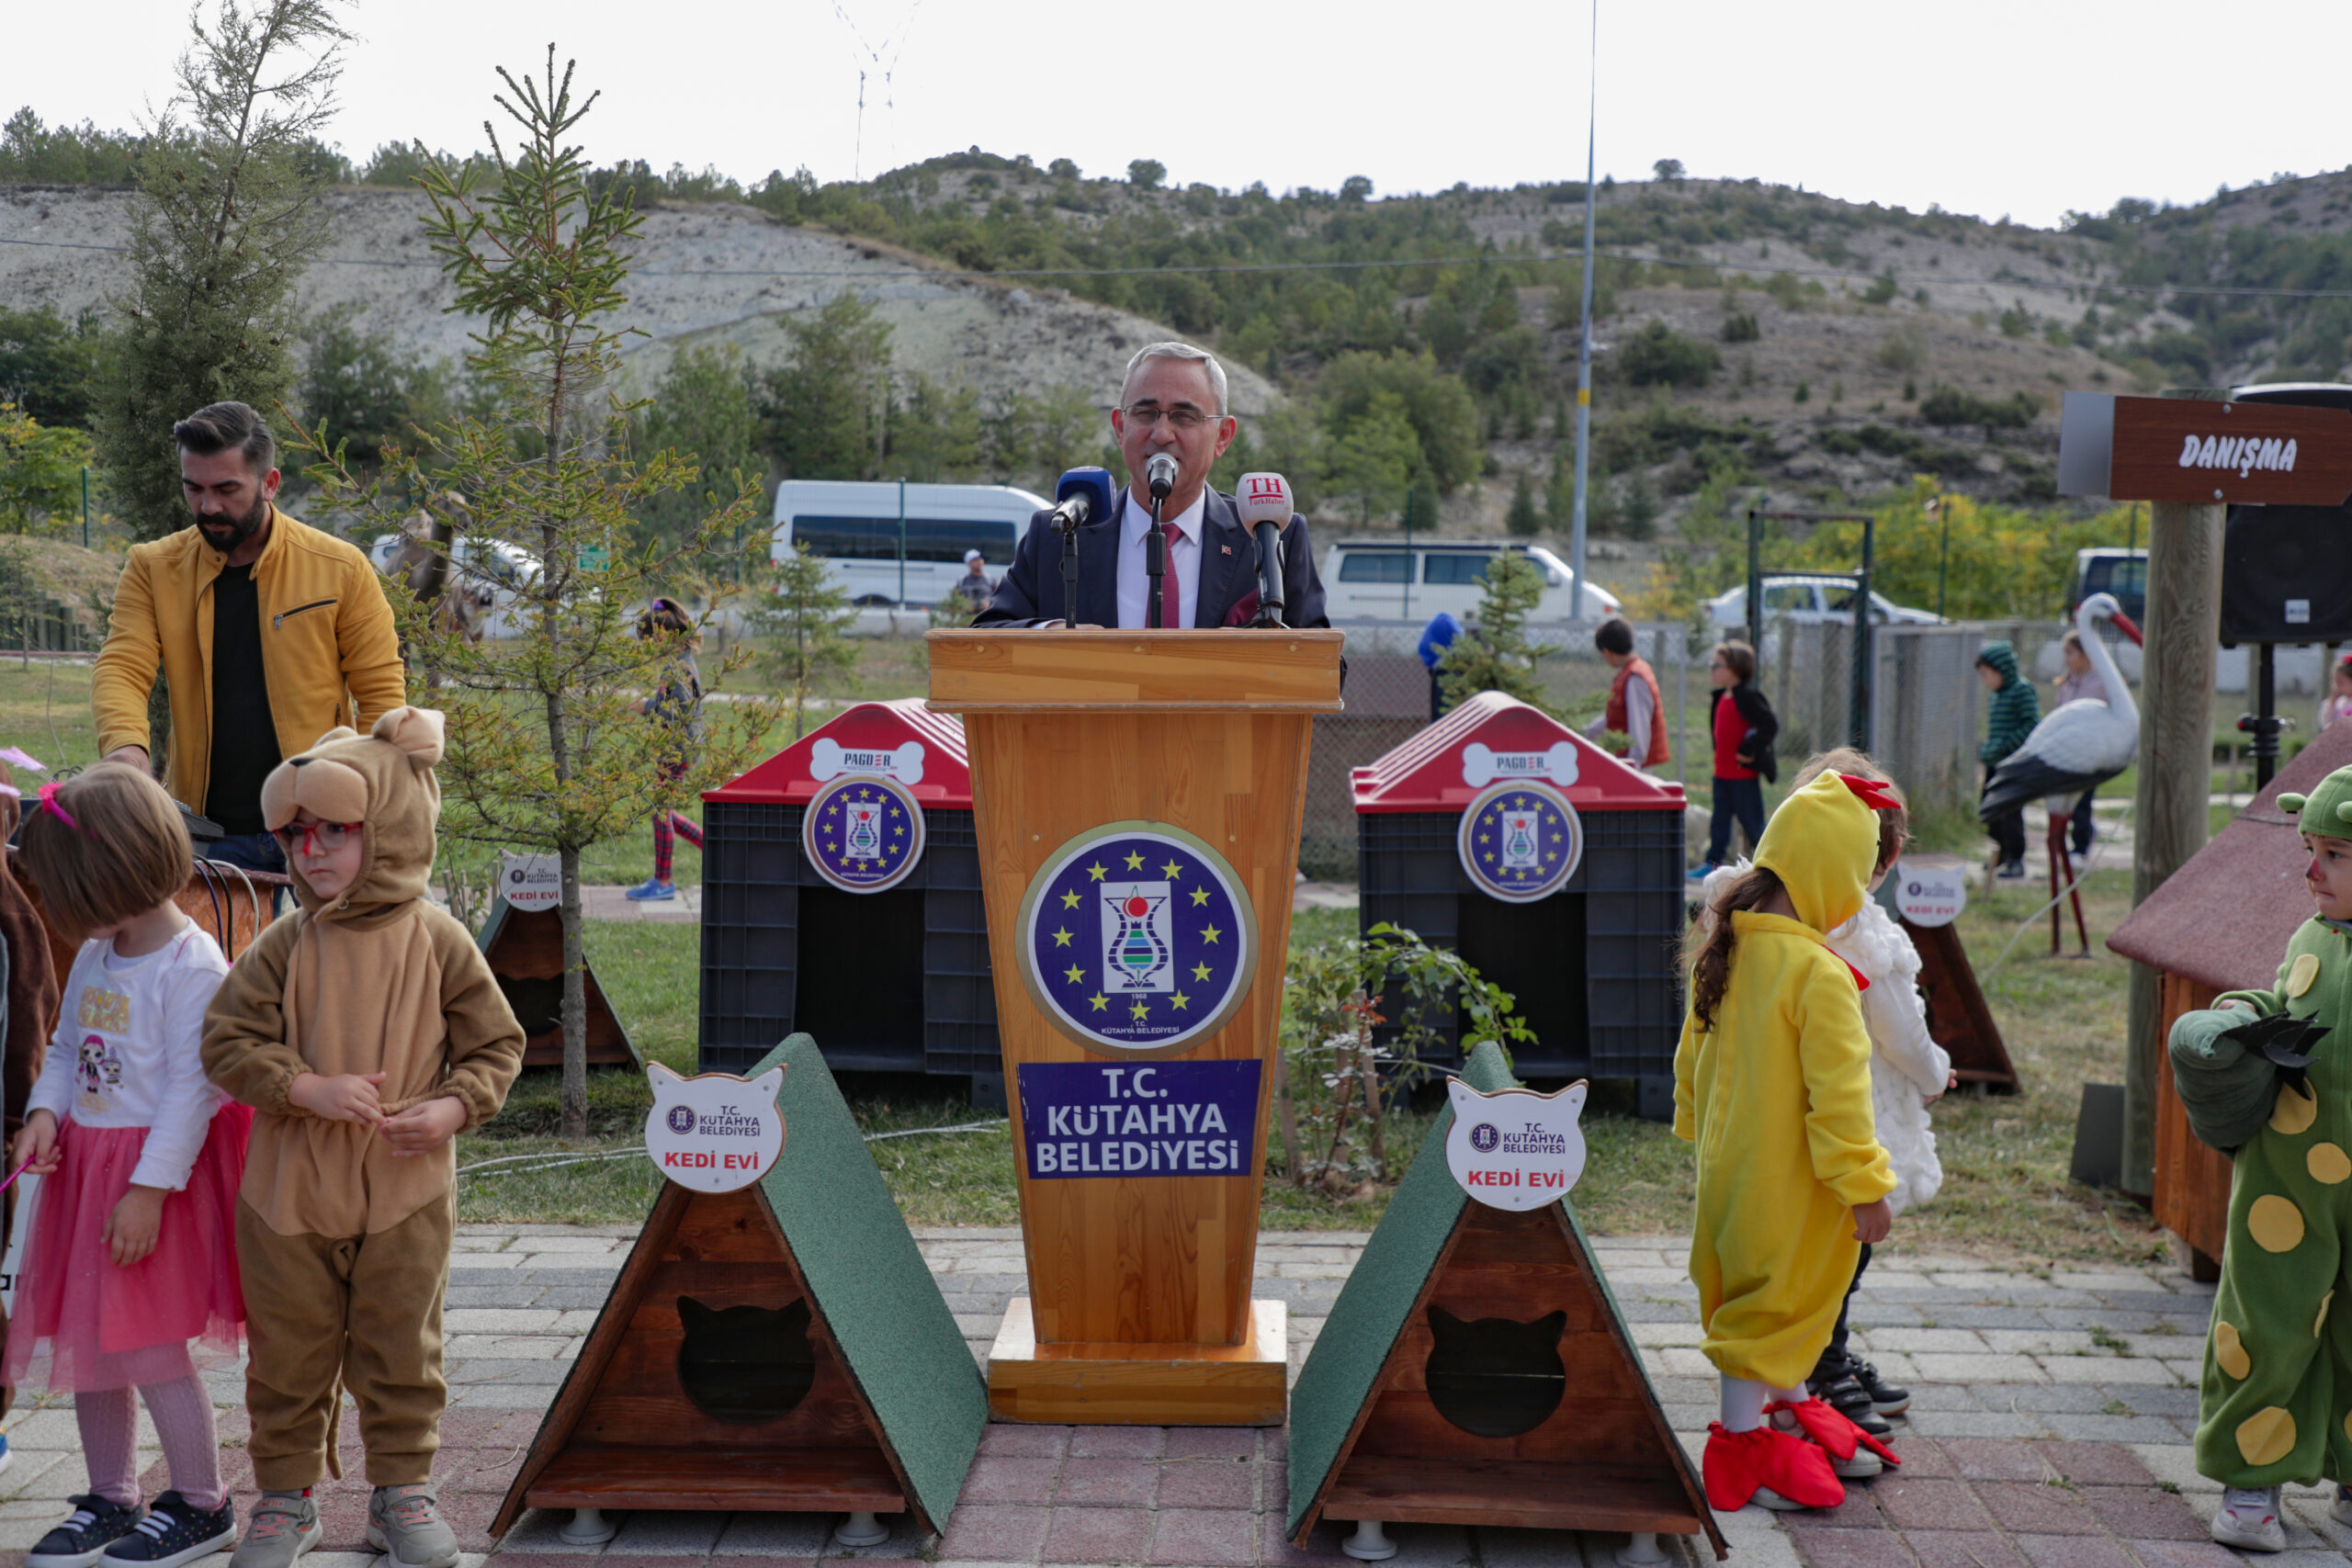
(1475, 1369)
(780, 1346)
(524, 948)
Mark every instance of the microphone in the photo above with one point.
(1083, 495)
(1263, 501)
(1159, 475)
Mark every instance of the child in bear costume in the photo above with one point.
(2262, 1077)
(365, 1029)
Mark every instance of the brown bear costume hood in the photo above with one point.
(383, 780)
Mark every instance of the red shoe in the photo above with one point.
(1739, 1464)
(1825, 1425)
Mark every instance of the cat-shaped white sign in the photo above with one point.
(1515, 1149)
(714, 1133)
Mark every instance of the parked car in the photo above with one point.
(891, 544)
(1808, 598)
(1385, 580)
(504, 568)
(2111, 570)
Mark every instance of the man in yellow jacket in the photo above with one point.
(269, 634)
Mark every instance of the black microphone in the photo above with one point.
(1159, 475)
(1264, 503)
(1083, 495)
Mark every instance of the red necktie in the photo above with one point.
(1172, 597)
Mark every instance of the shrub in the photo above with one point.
(1904, 349)
(1740, 327)
(1145, 173)
(1658, 355)
(1951, 405)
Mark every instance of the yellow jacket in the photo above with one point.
(1777, 1096)
(327, 642)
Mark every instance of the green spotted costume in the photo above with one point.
(2276, 1403)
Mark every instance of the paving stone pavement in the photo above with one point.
(2050, 1429)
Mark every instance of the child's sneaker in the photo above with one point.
(2248, 1519)
(1846, 1396)
(5, 1455)
(93, 1526)
(284, 1525)
(174, 1532)
(1854, 1454)
(2340, 1510)
(405, 1523)
(1885, 1397)
(652, 890)
(1770, 1468)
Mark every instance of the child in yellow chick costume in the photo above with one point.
(1772, 1083)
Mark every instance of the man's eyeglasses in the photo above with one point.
(1183, 416)
(317, 837)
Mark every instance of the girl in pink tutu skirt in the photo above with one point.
(133, 1254)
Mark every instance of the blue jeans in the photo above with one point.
(1735, 799)
(254, 851)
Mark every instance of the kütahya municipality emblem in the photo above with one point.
(863, 833)
(1515, 1149)
(1136, 936)
(1519, 842)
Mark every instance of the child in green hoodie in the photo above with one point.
(2009, 718)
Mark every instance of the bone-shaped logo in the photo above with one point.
(1482, 766)
(830, 759)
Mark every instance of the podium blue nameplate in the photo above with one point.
(1089, 1119)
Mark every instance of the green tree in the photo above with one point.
(937, 433)
(701, 413)
(549, 745)
(1437, 405)
(1032, 438)
(1670, 170)
(825, 409)
(804, 617)
(40, 473)
(360, 385)
(1655, 355)
(1145, 173)
(1493, 654)
(225, 221)
(1524, 518)
(48, 365)
(1373, 456)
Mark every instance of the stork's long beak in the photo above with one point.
(2124, 624)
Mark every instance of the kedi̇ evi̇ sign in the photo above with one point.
(1515, 1149)
(714, 1133)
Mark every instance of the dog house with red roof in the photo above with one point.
(842, 898)
(1553, 867)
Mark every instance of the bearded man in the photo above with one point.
(269, 634)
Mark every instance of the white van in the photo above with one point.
(1385, 579)
(857, 527)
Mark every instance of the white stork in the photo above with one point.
(2076, 747)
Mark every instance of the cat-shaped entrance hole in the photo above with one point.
(745, 1363)
(1495, 1377)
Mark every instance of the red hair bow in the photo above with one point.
(1872, 793)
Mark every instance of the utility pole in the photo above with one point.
(1584, 325)
(2169, 820)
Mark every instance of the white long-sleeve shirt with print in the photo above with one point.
(126, 1053)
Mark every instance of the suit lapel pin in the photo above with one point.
(1227, 548)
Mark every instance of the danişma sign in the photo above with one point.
(1088, 1119)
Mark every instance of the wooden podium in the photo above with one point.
(1137, 796)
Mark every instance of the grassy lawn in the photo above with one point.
(2005, 1193)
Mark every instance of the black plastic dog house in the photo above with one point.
(1551, 866)
(864, 928)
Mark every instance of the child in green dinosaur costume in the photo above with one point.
(2275, 1405)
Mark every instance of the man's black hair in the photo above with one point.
(219, 426)
(1615, 636)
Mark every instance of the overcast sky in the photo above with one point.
(2028, 107)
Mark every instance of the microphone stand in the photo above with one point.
(1070, 575)
(1155, 566)
(1269, 576)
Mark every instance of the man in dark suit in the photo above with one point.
(1174, 400)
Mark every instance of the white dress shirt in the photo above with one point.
(1183, 558)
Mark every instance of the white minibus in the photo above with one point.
(860, 527)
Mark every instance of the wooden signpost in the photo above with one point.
(1476, 1371)
(779, 1345)
(1136, 797)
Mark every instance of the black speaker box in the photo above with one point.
(2287, 574)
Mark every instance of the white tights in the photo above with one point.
(1744, 1399)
